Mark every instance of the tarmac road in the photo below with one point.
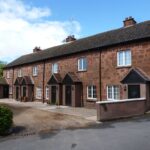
(131, 134)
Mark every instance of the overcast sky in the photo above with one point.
(25, 24)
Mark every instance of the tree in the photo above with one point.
(2, 65)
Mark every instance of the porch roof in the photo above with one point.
(136, 75)
(3, 81)
(71, 78)
(26, 80)
(55, 79)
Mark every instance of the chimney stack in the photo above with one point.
(70, 38)
(36, 49)
(129, 22)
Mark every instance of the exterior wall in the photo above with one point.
(70, 64)
(109, 74)
(112, 75)
(9, 80)
(109, 111)
(26, 71)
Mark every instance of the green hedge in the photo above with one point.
(6, 120)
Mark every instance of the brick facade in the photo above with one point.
(102, 70)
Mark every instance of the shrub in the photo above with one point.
(6, 121)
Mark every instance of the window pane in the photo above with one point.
(47, 93)
(84, 64)
(35, 71)
(116, 92)
(127, 57)
(38, 93)
(89, 91)
(120, 58)
(109, 92)
(80, 64)
(55, 68)
(94, 92)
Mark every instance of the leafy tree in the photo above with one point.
(2, 65)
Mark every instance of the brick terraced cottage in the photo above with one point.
(110, 66)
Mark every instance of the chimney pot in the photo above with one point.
(36, 49)
(70, 38)
(129, 21)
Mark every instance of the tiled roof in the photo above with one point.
(55, 79)
(3, 81)
(135, 75)
(105, 39)
(26, 80)
(71, 78)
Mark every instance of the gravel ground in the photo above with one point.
(30, 120)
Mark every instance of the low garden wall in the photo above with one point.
(108, 110)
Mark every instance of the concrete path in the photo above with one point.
(86, 113)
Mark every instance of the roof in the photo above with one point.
(136, 75)
(55, 79)
(71, 78)
(122, 35)
(3, 81)
(26, 80)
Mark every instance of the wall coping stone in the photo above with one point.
(120, 101)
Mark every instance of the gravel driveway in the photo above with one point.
(32, 120)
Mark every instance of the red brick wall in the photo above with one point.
(116, 110)
(70, 64)
(112, 75)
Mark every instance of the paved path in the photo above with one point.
(86, 113)
(133, 134)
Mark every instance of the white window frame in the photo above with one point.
(55, 68)
(10, 89)
(92, 93)
(81, 68)
(19, 72)
(38, 93)
(113, 92)
(8, 74)
(47, 93)
(35, 71)
(124, 58)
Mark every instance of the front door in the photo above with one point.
(133, 91)
(68, 95)
(24, 91)
(17, 93)
(53, 94)
(5, 91)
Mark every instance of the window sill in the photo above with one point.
(91, 99)
(120, 67)
(34, 75)
(82, 71)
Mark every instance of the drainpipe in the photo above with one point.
(13, 84)
(100, 74)
(43, 80)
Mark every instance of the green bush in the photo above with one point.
(6, 120)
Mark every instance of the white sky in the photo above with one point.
(22, 27)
